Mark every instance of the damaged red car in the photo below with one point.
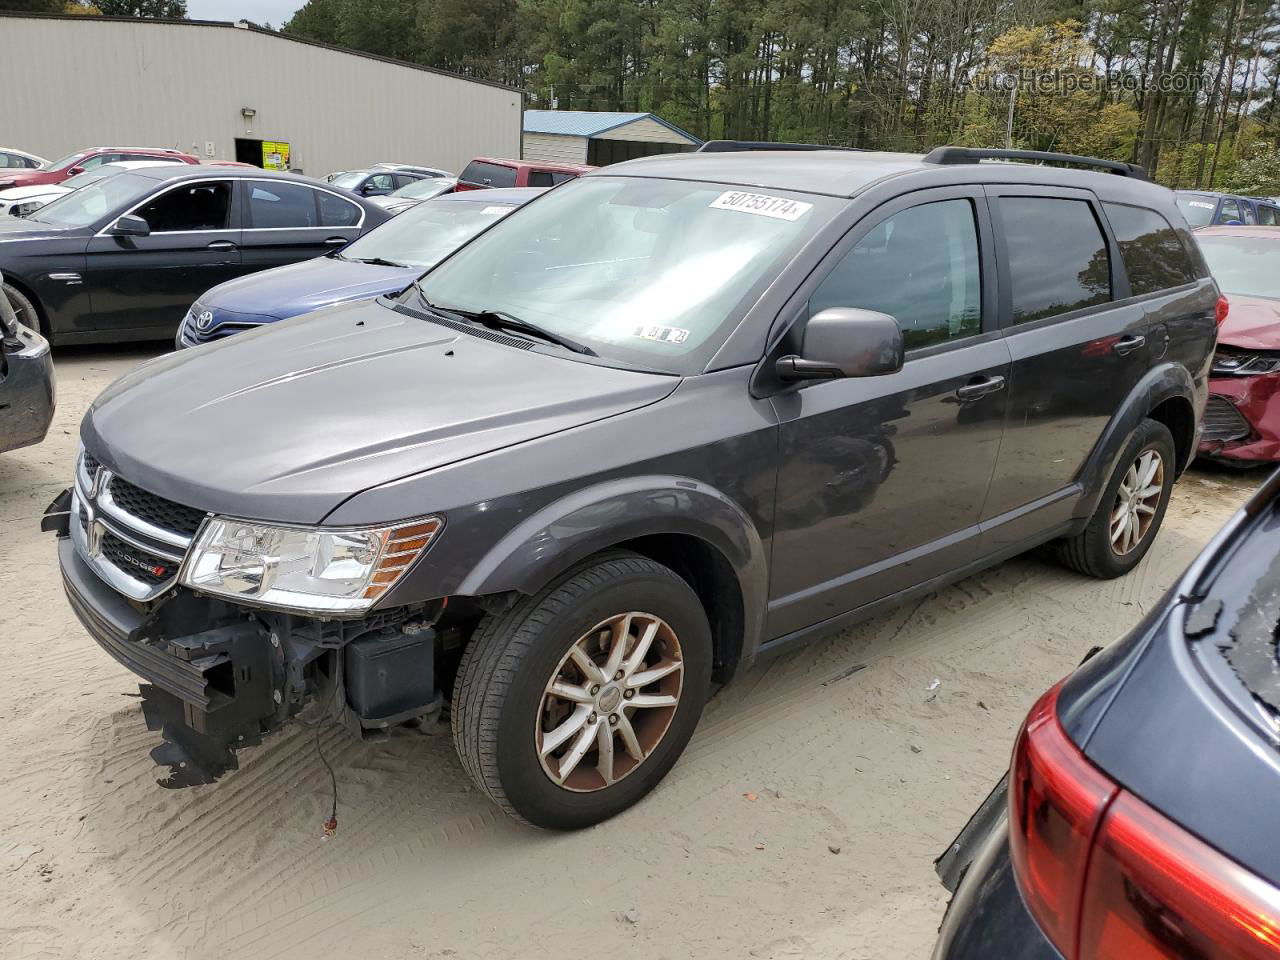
(1242, 419)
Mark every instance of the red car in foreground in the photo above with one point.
(87, 159)
(484, 172)
(1242, 419)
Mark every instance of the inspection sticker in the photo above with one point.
(1199, 203)
(661, 334)
(762, 205)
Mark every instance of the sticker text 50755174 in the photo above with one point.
(761, 204)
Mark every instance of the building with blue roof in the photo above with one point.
(600, 137)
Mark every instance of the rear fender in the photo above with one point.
(590, 520)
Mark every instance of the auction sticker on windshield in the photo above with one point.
(1199, 203)
(761, 204)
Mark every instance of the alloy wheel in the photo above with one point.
(1136, 502)
(609, 702)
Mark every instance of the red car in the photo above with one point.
(1242, 419)
(87, 159)
(484, 172)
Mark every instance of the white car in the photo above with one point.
(21, 201)
(414, 168)
(13, 159)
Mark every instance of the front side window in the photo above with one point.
(337, 212)
(1153, 256)
(1230, 211)
(1058, 258)
(281, 206)
(189, 207)
(1248, 266)
(70, 160)
(647, 272)
(99, 160)
(921, 267)
(1249, 215)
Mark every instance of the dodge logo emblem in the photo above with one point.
(204, 321)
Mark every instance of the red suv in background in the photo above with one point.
(87, 159)
(484, 172)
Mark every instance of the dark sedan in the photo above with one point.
(1138, 817)
(123, 259)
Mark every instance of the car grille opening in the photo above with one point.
(155, 510)
(139, 564)
(1223, 422)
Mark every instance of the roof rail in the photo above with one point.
(974, 154)
(737, 146)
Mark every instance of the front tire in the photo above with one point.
(26, 311)
(572, 705)
(1132, 507)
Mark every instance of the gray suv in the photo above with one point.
(663, 420)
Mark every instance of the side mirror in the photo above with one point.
(75, 170)
(845, 342)
(131, 226)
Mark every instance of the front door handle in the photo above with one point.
(1126, 345)
(222, 245)
(980, 387)
(337, 241)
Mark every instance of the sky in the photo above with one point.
(274, 12)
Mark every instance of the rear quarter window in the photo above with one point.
(1153, 255)
(1057, 256)
(489, 174)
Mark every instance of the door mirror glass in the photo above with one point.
(846, 342)
(131, 226)
(75, 170)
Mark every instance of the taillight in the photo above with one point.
(1056, 800)
(1220, 311)
(1155, 891)
(1109, 878)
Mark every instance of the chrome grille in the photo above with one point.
(1223, 422)
(132, 538)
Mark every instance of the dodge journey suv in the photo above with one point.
(665, 418)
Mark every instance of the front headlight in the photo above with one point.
(22, 209)
(311, 569)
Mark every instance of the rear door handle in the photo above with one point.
(1128, 344)
(980, 388)
(337, 241)
(222, 245)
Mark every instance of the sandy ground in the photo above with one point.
(732, 856)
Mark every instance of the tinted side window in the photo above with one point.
(1057, 256)
(1266, 215)
(281, 205)
(197, 206)
(920, 266)
(489, 174)
(1230, 211)
(561, 177)
(1153, 256)
(540, 178)
(10, 160)
(1250, 216)
(337, 212)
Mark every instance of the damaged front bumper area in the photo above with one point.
(219, 676)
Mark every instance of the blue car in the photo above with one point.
(1203, 209)
(382, 261)
(1138, 817)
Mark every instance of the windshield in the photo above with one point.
(429, 187)
(425, 235)
(80, 208)
(1248, 266)
(90, 176)
(348, 181)
(1197, 209)
(649, 272)
(65, 162)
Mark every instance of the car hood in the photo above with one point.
(1253, 323)
(286, 422)
(18, 228)
(302, 287)
(14, 194)
(29, 177)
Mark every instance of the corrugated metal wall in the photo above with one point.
(83, 81)
(555, 148)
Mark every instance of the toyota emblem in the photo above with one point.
(204, 321)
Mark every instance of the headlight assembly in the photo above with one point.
(339, 571)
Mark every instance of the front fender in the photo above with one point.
(1161, 383)
(584, 522)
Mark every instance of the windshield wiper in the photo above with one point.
(500, 320)
(376, 261)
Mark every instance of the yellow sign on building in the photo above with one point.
(275, 155)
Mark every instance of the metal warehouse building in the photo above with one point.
(237, 92)
(596, 137)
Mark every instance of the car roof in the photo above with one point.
(534, 164)
(191, 171)
(1242, 230)
(514, 196)
(845, 173)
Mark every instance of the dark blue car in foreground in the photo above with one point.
(383, 261)
(1138, 818)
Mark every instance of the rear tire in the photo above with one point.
(573, 756)
(27, 313)
(1126, 522)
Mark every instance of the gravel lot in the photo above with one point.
(802, 822)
